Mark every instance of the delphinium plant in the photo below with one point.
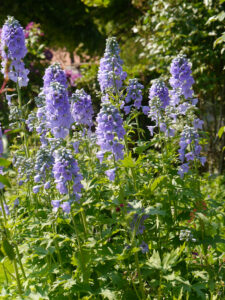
(95, 210)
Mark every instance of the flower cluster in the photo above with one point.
(25, 167)
(54, 73)
(181, 80)
(13, 50)
(81, 108)
(43, 168)
(65, 169)
(189, 148)
(134, 94)
(58, 113)
(109, 131)
(158, 101)
(56, 204)
(111, 74)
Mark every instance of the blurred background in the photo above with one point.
(150, 34)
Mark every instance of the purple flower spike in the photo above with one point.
(110, 131)
(13, 50)
(181, 79)
(66, 169)
(110, 74)
(58, 114)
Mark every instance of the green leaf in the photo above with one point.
(8, 249)
(221, 131)
(157, 182)
(154, 261)
(128, 162)
(170, 259)
(108, 294)
(4, 180)
(4, 162)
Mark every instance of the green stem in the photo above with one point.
(17, 277)
(84, 222)
(85, 277)
(139, 275)
(3, 209)
(20, 262)
(25, 141)
(138, 127)
(6, 277)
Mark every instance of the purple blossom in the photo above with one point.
(13, 50)
(111, 74)
(6, 208)
(56, 205)
(66, 207)
(43, 164)
(16, 202)
(58, 113)
(48, 54)
(110, 131)
(65, 170)
(54, 73)
(181, 79)
(111, 174)
(158, 103)
(36, 189)
(134, 95)
(189, 149)
(144, 247)
(81, 108)
(12, 40)
(160, 91)
(47, 185)
(76, 146)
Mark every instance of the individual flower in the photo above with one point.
(58, 114)
(110, 132)
(66, 170)
(6, 208)
(111, 174)
(13, 50)
(111, 74)
(66, 207)
(81, 108)
(56, 205)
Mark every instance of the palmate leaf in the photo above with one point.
(108, 294)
